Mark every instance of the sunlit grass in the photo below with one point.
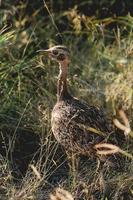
(100, 72)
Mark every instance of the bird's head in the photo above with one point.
(58, 53)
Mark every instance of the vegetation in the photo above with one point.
(32, 164)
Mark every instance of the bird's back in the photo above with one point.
(78, 126)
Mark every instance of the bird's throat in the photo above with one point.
(62, 91)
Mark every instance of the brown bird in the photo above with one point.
(75, 124)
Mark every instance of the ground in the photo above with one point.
(32, 163)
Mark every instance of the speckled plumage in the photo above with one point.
(75, 124)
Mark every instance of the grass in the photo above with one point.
(32, 164)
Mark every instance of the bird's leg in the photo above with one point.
(73, 162)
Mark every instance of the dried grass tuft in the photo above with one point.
(61, 194)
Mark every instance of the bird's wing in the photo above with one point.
(91, 118)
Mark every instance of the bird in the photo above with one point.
(76, 125)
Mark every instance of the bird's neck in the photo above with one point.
(62, 92)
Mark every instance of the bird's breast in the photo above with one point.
(59, 121)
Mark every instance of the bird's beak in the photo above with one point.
(45, 50)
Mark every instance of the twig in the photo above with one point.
(124, 118)
(107, 149)
(119, 125)
(125, 126)
(35, 171)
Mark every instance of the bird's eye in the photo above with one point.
(61, 57)
(55, 52)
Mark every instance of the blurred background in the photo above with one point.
(99, 35)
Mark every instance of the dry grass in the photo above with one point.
(32, 165)
(61, 194)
